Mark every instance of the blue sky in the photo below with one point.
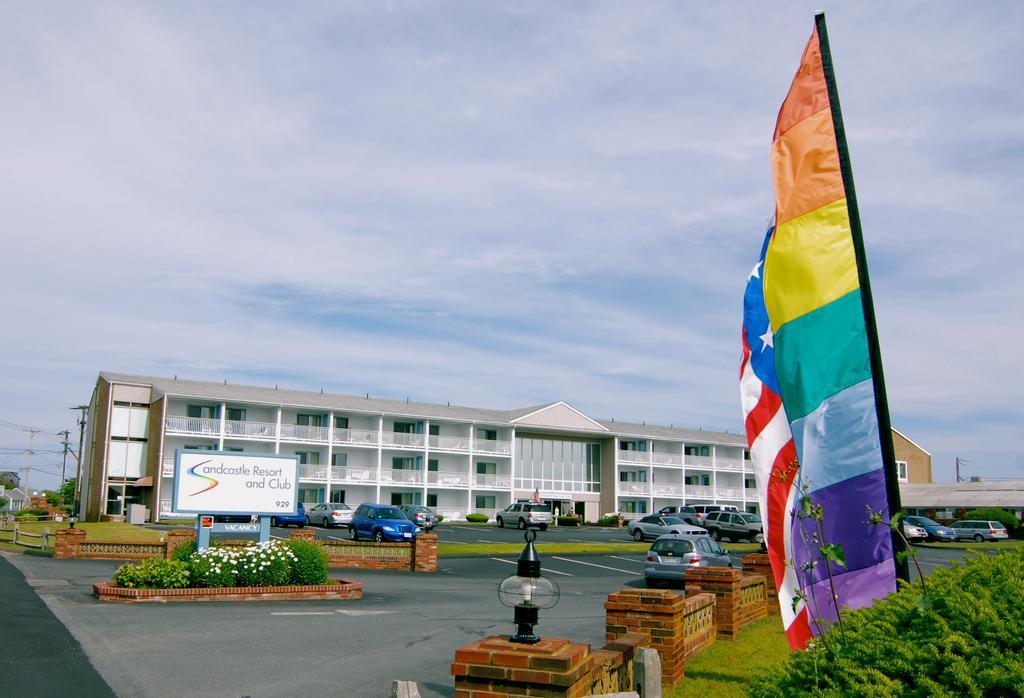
(493, 204)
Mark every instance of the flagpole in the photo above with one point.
(892, 489)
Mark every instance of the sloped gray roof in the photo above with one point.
(993, 493)
(674, 433)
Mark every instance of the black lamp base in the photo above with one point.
(526, 616)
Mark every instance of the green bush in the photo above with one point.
(993, 514)
(310, 563)
(153, 574)
(440, 518)
(184, 551)
(569, 521)
(964, 638)
(30, 513)
(213, 567)
(264, 565)
(610, 520)
(477, 518)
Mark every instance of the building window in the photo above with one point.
(632, 445)
(405, 427)
(337, 494)
(341, 422)
(487, 468)
(901, 470)
(339, 459)
(432, 500)
(236, 414)
(432, 465)
(308, 457)
(309, 420)
(398, 463)
(311, 495)
(485, 501)
(200, 447)
(697, 451)
(548, 464)
(435, 430)
(630, 506)
(202, 411)
(750, 483)
(234, 449)
(487, 434)
(633, 476)
(403, 498)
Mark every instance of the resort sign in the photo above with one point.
(226, 482)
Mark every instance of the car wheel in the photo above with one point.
(543, 527)
(521, 525)
(638, 535)
(978, 537)
(757, 538)
(652, 583)
(302, 524)
(378, 536)
(353, 533)
(325, 523)
(501, 522)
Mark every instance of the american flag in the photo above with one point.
(772, 450)
(536, 497)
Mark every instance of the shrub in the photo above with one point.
(993, 514)
(568, 521)
(266, 564)
(153, 574)
(609, 520)
(477, 518)
(213, 567)
(440, 518)
(30, 513)
(964, 638)
(184, 551)
(310, 563)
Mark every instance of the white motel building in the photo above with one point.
(358, 449)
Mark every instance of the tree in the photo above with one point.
(52, 498)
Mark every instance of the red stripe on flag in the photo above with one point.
(767, 405)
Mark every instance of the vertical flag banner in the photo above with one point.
(813, 358)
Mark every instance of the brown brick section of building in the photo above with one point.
(739, 599)
(97, 481)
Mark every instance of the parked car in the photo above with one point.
(703, 510)
(935, 530)
(524, 514)
(330, 515)
(381, 522)
(236, 518)
(979, 530)
(423, 517)
(687, 514)
(671, 555)
(914, 534)
(735, 526)
(655, 526)
(299, 518)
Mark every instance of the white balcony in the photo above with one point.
(634, 488)
(666, 490)
(750, 492)
(344, 473)
(300, 432)
(729, 492)
(250, 430)
(401, 477)
(448, 478)
(498, 481)
(313, 472)
(486, 446)
(702, 491)
(633, 456)
(449, 443)
(403, 440)
(728, 464)
(193, 426)
(360, 437)
(168, 467)
(667, 458)
(698, 461)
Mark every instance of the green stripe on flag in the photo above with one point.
(821, 353)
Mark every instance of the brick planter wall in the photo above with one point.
(418, 556)
(676, 626)
(66, 543)
(760, 563)
(343, 590)
(739, 599)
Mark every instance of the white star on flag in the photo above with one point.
(755, 273)
(767, 339)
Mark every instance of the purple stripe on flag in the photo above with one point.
(844, 506)
(854, 589)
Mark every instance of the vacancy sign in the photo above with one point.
(228, 482)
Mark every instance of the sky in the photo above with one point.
(496, 204)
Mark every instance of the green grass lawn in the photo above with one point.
(726, 668)
(971, 545)
(114, 532)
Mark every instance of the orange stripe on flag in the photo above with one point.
(805, 164)
(808, 93)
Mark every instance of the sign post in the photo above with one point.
(231, 483)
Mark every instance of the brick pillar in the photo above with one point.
(661, 617)
(66, 544)
(176, 537)
(303, 534)
(424, 553)
(760, 563)
(496, 668)
(739, 599)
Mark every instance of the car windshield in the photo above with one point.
(390, 513)
(419, 510)
(751, 518)
(537, 507)
(673, 521)
(341, 505)
(676, 547)
(922, 521)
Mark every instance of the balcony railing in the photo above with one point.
(300, 432)
(698, 461)
(634, 488)
(698, 491)
(487, 446)
(667, 458)
(729, 492)
(192, 425)
(728, 464)
(355, 436)
(403, 440)
(404, 477)
(750, 492)
(449, 443)
(448, 478)
(168, 467)
(666, 490)
(345, 473)
(492, 480)
(250, 430)
(313, 472)
(633, 456)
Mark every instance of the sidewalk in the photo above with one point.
(40, 657)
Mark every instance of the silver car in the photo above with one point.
(330, 515)
(670, 556)
(980, 530)
(654, 526)
(524, 515)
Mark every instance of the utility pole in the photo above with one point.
(78, 469)
(28, 463)
(64, 466)
(959, 462)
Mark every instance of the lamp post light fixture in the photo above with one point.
(527, 592)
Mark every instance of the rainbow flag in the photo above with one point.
(816, 413)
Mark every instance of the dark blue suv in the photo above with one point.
(381, 522)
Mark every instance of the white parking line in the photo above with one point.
(364, 613)
(302, 613)
(484, 540)
(337, 538)
(543, 569)
(627, 559)
(278, 537)
(591, 564)
(579, 540)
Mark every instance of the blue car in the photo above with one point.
(381, 522)
(298, 518)
(934, 529)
